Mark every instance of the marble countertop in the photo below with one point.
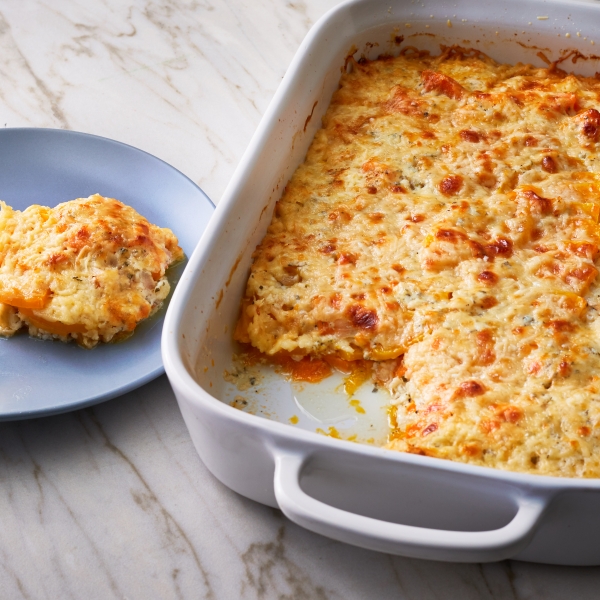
(112, 501)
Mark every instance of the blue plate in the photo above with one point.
(49, 166)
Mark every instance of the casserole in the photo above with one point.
(405, 504)
(440, 238)
(58, 294)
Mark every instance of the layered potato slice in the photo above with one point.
(444, 226)
(89, 269)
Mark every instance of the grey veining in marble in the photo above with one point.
(112, 501)
(185, 80)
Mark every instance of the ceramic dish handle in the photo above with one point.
(419, 542)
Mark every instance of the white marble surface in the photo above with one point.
(112, 501)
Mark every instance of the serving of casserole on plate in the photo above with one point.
(59, 262)
(441, 234)
(89, 270)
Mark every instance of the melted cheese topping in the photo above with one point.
(90, 269)
(445, 225)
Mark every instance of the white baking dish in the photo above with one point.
(361, 494)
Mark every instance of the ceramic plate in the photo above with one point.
(47, 166)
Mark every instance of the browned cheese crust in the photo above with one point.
(445, 224)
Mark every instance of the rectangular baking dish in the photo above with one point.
(365, 495)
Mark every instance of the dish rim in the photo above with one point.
(273, 446)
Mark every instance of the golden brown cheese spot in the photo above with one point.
(471, 450)
(580, 278)
(329, 247)
(336, 300)
(79, 238)
(556, 105)
(450, 235)
(583, 249)
(589, 124)
(549, 164)
(487, 278)
(363, 318)
(448, 247)
(489, 302)
(564, 368)
(537, 204)
(468, 135)
(509, 413)
(56, 259)
(485, 343)
(438, 82)
(450, 185)
(470, 389)
(347, 258)
(403, 101)
(501, 247)
(416, 218)
(376, 218)
(559, 326)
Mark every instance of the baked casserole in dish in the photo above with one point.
(444, 228)
(441, 235)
